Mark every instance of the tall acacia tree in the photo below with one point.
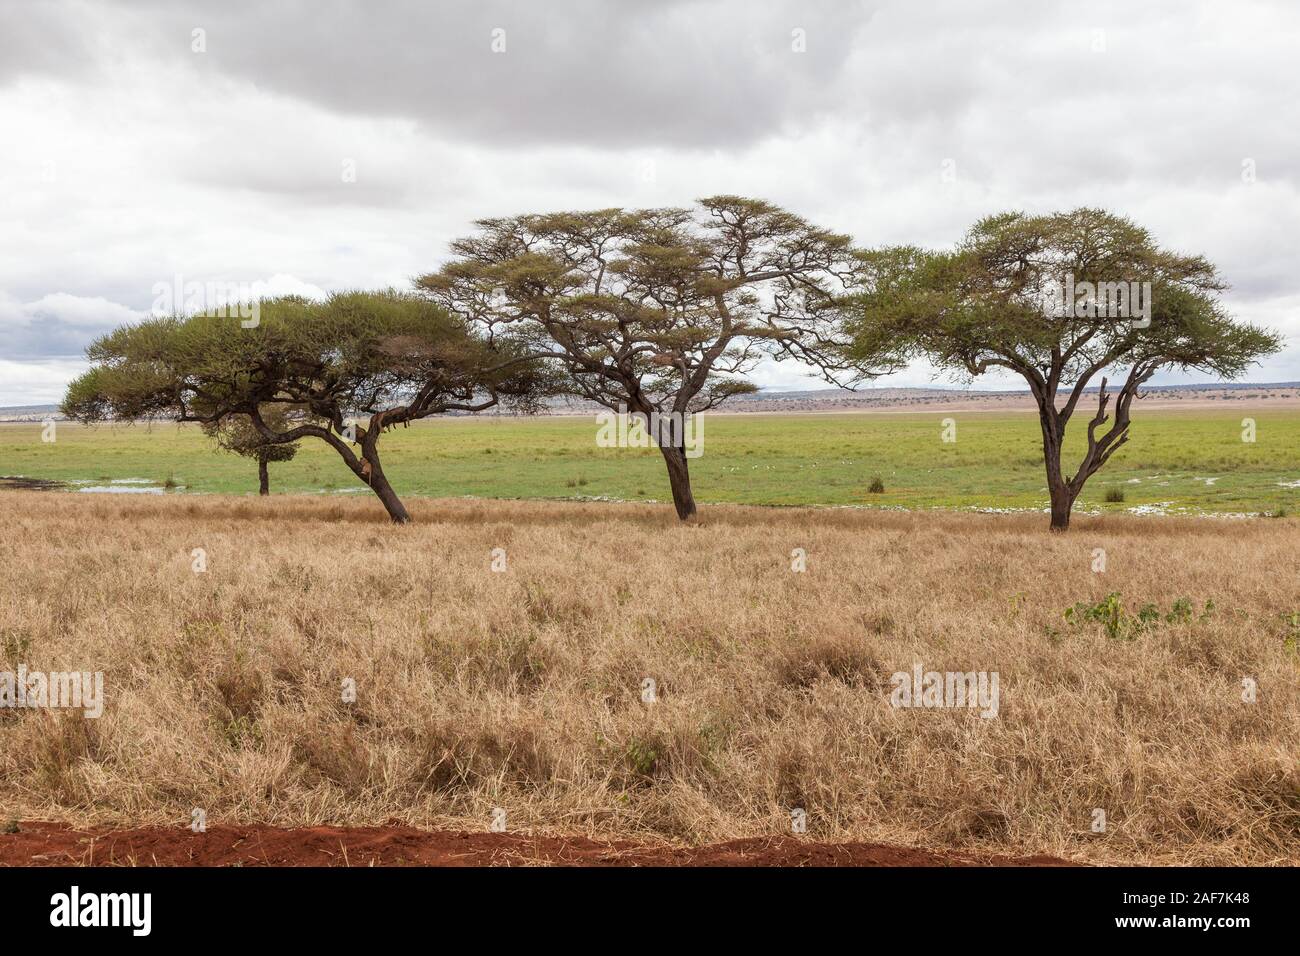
(1059, 300)
(237, 434)
(390, 358)
(657, 312)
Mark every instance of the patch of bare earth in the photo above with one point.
(52, 844)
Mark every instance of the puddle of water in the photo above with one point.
(114, 486)
(1154, 508)
(120, 490)
(20, 483)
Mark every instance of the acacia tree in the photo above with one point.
(237, 434)
(390, 358)
(1058, 299)
(656, 312)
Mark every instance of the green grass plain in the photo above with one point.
(1176, 460)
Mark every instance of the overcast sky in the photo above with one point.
(311, 146)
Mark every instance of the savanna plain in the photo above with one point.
(500, 649)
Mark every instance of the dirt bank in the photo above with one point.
(52, 844)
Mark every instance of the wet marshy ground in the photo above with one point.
(31, 484)
(113, 486)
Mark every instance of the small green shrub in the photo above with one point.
(642, 757)
(1291, 636)
(1180, 613)
(1123, 625)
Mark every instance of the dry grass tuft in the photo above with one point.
(523, 689)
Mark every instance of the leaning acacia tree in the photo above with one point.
(1057, 299)
(656, 312)
(391, 358)
(238, 435)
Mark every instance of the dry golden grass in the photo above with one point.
(521, 689)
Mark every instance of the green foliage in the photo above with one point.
(1115, 495)
(1291, 634)
(659, 309)
(356, 353)
(395, 357)
(642, 757)
(237, 434)
(999, 301)
(987, 304)
(1110, 613)
(1123, 625)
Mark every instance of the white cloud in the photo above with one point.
(57, 324)
(40, 382)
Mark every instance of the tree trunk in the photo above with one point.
(370, 471)
(392, 504)
(380, 486)
(1062, 503)
(263, 477)
(1058, 489)
(679, 479)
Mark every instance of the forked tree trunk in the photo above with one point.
(263, 477)
(1063, 492)
(1058, 489)
(679, 479)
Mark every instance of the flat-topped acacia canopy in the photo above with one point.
(995, 302)
(388, 357)
(658, 312)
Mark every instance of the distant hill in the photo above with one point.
(28, 413)
(920, 399)
(885, 399)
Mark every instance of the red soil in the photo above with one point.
(52, 844)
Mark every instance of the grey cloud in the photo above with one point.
(227, 163)
(41, 39)
(57, 325)
(688, 72)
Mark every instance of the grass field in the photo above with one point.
(522, 689)
(1176, 460)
